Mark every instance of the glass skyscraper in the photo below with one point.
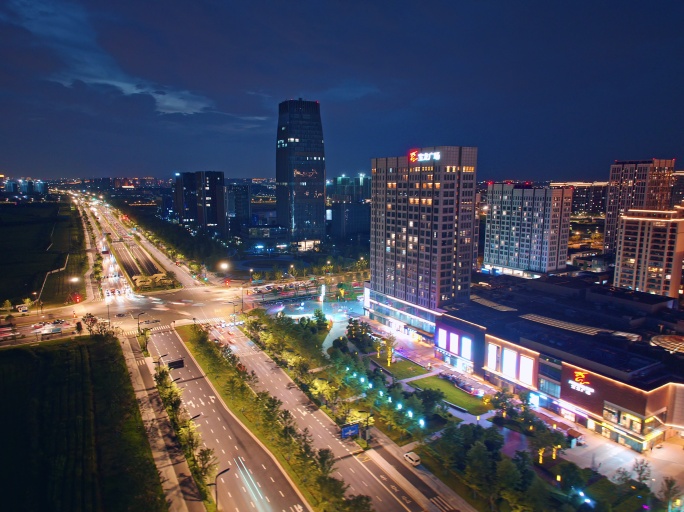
(300, 170)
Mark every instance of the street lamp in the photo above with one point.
(251, 271)
(142, 313)
(224, 266)
(158, 361)
(216, 485)
(242, 299)
(365, 432)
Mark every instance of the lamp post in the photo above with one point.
(141, 313)
(251, 271)
(365, 432)
(158, 361)
(242, 299)
(73, 281)
(216, 485)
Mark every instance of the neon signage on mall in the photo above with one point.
(416, 156)
(581, 384)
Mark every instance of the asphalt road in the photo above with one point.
(352, 464)
(254, 482)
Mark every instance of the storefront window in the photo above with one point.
(526, 370)
(550, 388)
(442, 339)
(610, 414)
(453, 343)
(509, 365)
(492, 351)
(467, 348)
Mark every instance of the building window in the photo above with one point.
(442, 339)
(526, 370)
(453, 343)
(509, 364)
(549, 388)
(467, 348)
(492, 353)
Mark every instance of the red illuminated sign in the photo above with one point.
(581, 377)
(416, 156)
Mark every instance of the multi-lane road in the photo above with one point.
(254, 481)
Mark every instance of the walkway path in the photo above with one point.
(178, 485)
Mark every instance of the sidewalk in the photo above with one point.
(179, 487)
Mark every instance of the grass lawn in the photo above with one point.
(457, 396)
(401, 369)
(77, 439)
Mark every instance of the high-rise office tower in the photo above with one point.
(650, 250)
(238, 207)
(211, 213)
(527, 228)
(185, 198)
(199, 201)
(422, 235)
(636, 184)
(300, 170)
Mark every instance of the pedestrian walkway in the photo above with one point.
(177, 483)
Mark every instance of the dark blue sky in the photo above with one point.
(546, 90)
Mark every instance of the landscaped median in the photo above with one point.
(471, 403)
(274, 427)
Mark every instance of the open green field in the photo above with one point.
(453, 394)
(401, 369)
(73, 435)
(36, 239)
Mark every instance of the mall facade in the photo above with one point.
(626, 397)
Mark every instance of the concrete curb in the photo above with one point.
(258, 441)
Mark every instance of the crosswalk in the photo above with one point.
(134, 332)
(442, 504)
(159, 328)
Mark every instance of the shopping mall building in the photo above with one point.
(608, 380)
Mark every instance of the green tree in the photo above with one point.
(321, 320)
(358, 503)
(502, 401)
(430, 398)
(669, 491)
(7, 305)
(508, 482)
(523, 462)
(325, 462)
(390, 345)
(28, 302)
(642, 471)
(571, 476)
(378, 343)
(89, 320)
(480, 471)
(206, 463)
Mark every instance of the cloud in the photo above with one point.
(65, 28)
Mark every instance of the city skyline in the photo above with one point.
(544, 92)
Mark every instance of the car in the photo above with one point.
(120, 315)
(412, 458)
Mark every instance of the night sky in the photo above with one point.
(546, 90)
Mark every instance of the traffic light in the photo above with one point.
(78, 298)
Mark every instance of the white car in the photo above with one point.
(412, 458)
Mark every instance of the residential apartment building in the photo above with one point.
(527, 228)
(650, 251)
(636, 184)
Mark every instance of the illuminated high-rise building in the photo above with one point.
(636, 184)
(527, 228)
(300, 171)
(423, 235)
(650, 250)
